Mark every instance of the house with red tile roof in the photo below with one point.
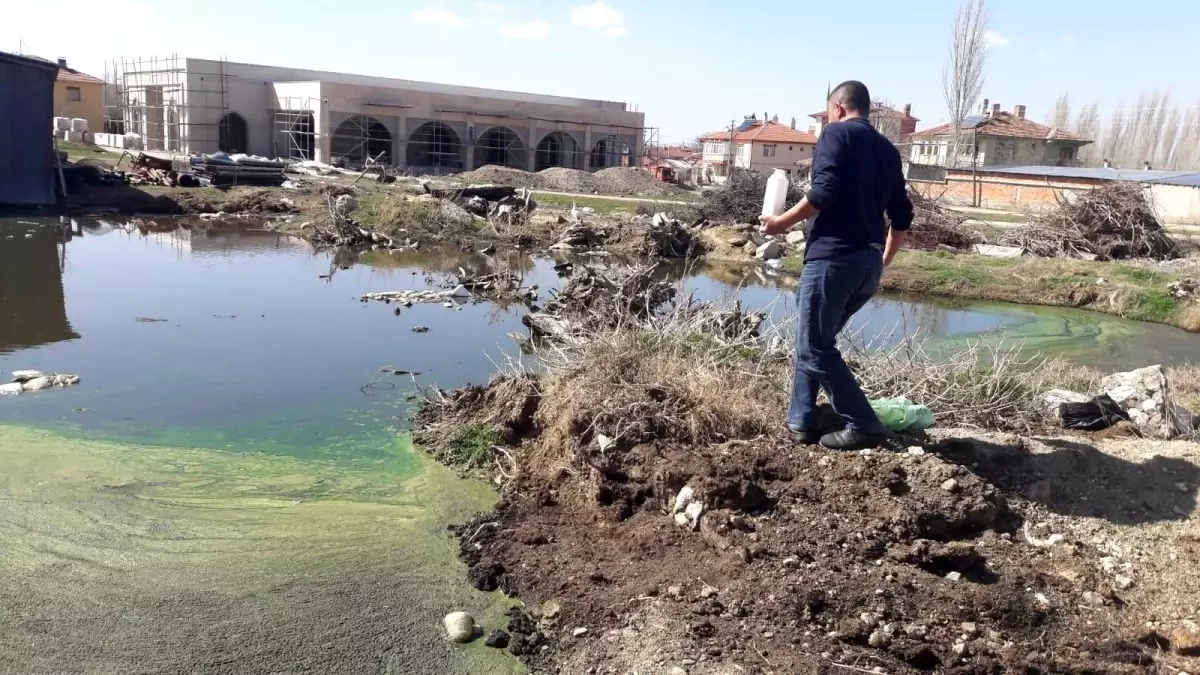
(758, 145)
(78, 94)
(897, 125)
(1000, 139)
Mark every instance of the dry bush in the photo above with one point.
(1114, 221)
(1185, 386)
(936, 227)
(740, 200)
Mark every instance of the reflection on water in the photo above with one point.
(259, 342)
(32, 305)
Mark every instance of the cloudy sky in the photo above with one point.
(690, 65)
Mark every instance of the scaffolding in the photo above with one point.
(295, 129)
(360, 140)
(559, 149)
(611, 151)
(152, 97)
(651, 148)
(434, 146)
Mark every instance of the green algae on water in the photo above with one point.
(122, 558)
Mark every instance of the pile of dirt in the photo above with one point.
(1111, 222)
(616, 181)
(647, 480)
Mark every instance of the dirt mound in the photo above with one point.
(911, 561)
(617, 181)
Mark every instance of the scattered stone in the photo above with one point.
(1123, 582)
(878, 639)
(950, 485)
(1093, 598)
(750, 248)
(460, 626)
(1143, 394)
(693, 512)
(767, 251)
(708, 592)
(737, 242)
(677, 671)
(916, 451)
(960, 649)
(497, 639)
(954, 576)
(794, 237)
(686, 493)
(1041, 600)
(1056, 397)
(675, 591)
(579, 632)
(970, 628)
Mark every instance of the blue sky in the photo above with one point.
(691, 66)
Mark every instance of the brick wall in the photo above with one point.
(1007, 192)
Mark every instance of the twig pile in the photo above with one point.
(740, 200)
(936, 227)
(669, 238)
(611, 297)
(1110, 222)
(342, 230)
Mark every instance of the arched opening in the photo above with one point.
(610, 151)
(558, 148)
(358, 138)
(434, 145)
(231, 134)
(502, 146)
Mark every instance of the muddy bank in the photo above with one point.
(166, 560)
(654, 515)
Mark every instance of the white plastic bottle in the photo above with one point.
(777, 187)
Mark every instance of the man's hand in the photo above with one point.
(773, 224)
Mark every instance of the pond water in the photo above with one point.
(204, 351)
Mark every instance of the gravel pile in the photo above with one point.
(618, 181)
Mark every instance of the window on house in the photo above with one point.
(769, 150)
(789, 148)
(74, 94)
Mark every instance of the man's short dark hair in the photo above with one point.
(854, 95)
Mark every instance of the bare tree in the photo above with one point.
(886, 120)
(1060, 117)
(1187, 145)
(964, 72)
(1087, 124)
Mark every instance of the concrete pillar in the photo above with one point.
(531, 147)
(587, 148)
(400, 143)
(469, 147)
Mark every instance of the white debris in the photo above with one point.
(11, 389)
(1144, 394)
(916, 450)
(767, 251)
(604, 442)
(579, 632)
(1052, 540)
(794, 237)
(25, 375)
(460, 626)
(460, 291)
(1056, 397)
(685, 496)
(38, 383)
(693, 513)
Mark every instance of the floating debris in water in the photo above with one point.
(36, 380)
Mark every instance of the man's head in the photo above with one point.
(849, 99)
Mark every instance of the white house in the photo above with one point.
(756, 145)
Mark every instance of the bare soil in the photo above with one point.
(976, 554)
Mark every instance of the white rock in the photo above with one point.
(916, 451)
(960, 649)
(460, 291)
(460, 626)
(1041, 600)
(954, 576)
(1123, 582)
(685, 496)
(604, 442)
(23, 375)
(448, 305)
(11, 389)
(660, 219)
(579, 632)
(794, 237)
(1144, 394)
(681, 519)
(767, 251)
(693, 512)
(1056, 397)
(1093, 598)
(38, 383)
(950, 485)
(345, 203)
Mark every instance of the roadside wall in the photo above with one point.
(1175, 204)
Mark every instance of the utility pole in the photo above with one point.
(729, 150)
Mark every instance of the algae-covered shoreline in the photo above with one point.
(128, 558)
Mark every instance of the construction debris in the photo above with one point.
(342, 230)
(670, 238)
(1113, 221)
(35, 380)
(239, 169)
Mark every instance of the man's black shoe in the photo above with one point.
(852, 439)
(804, 436)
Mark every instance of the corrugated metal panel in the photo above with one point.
(1133, 175)
(26, 142)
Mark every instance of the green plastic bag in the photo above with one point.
(899, 414)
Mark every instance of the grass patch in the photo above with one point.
(1154, 305)
(78, 151)
(389, 213)
(602, 205)
(472, 445)
(1140, 275)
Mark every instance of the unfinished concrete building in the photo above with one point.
(199, 105)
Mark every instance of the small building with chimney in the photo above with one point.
(758, 145)
(997, 138)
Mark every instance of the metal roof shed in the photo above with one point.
(26, 136)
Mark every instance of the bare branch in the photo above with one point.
(964, 72)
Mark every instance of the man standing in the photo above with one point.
(856, 177)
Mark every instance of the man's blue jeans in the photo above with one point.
(831, 291)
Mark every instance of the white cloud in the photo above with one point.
(598, 16)
(1067, 39)
(434, 16)
(494, 7)
(994, 39)
(530, 30)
